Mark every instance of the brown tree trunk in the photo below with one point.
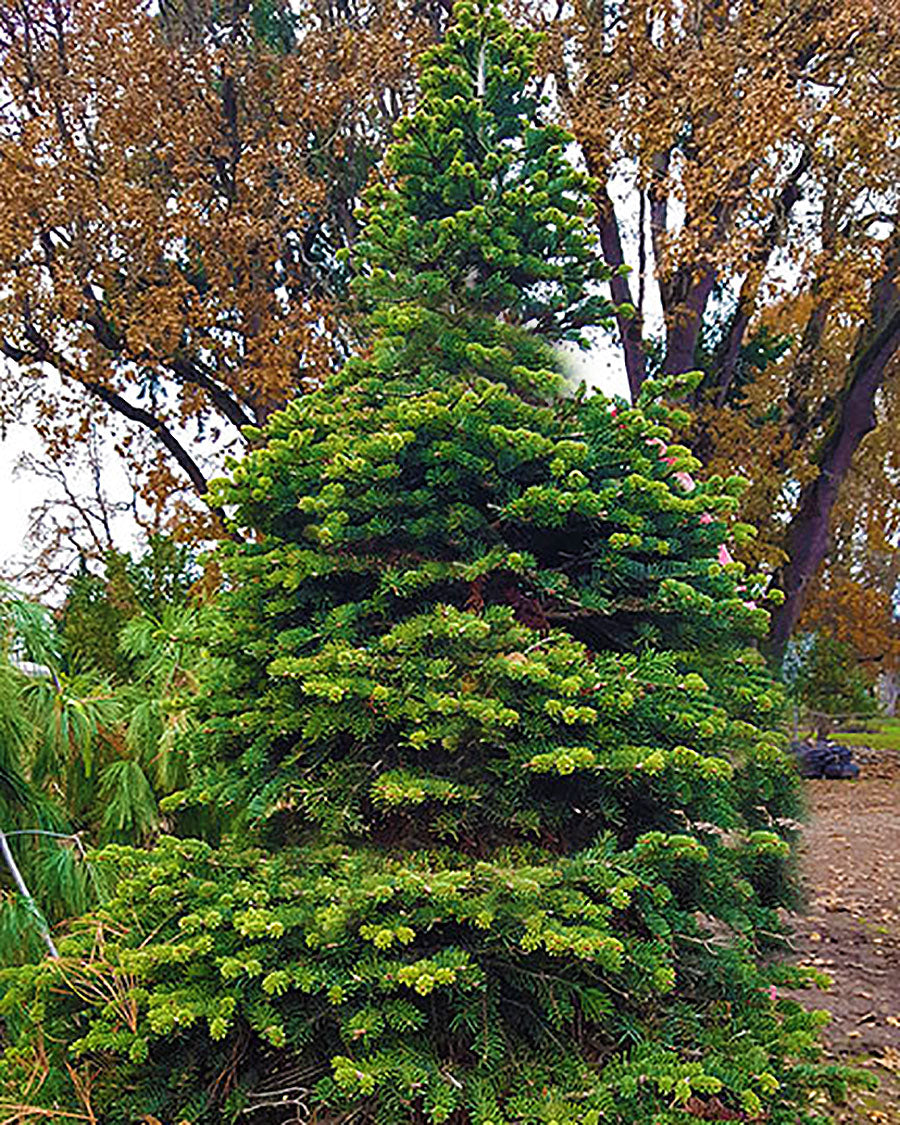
(807, 539)
(631, 328)
(684, 319)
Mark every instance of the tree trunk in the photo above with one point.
(631, 328)
(888, 692)
(684, 319)
(807, 539)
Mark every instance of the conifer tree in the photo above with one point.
(506, 832)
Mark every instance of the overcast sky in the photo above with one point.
(19, 493)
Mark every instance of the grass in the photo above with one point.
(879, 734)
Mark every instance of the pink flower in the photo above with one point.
(658, 442)
(706, 518)
(612, 410)
(773, 993)
(750, 605)
(724, 555)
(686, 481)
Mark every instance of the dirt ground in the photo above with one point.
(851, 862)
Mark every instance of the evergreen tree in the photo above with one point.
(99, 605)
(84, 760)
(45, 726)
(506, 830)
(827, 679)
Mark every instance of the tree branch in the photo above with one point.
(807, 539)
(155, 425)
(188, 371)
(21, 886)
(43, 353)
(685, 293)
(185, 369)
(729, 349)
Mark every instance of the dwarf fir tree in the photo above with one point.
(506, 832)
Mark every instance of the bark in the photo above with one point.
(631, 328)
(798, 419)
(889, 692)
(854, 417)
(659, 204)
(727, 355)
(684, 303)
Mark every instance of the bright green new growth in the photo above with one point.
(485, 214)
(506, 832)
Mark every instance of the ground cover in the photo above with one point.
(851, 865)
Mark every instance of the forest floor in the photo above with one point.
(851, 931)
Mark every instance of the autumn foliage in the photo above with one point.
(173, 191)
(757, 144)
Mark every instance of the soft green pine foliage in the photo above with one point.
(84, 759)
(507, 833)
(47, 726)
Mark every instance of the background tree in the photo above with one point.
(488, 731)
(42, 877)
(827, 682)
(757, 145)
(90, 706)
(100, 602)
(135, 623)
(173, 189)
(78, 519)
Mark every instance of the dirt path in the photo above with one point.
(851, 862)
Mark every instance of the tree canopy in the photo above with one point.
(174, 188)
(759, 144)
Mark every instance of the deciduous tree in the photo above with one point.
(758, 142)
(173, 188)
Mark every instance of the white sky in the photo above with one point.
(20, 492)
(17, 495)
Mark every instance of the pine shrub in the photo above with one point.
(505, 832)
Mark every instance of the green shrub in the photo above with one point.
(827, 680)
